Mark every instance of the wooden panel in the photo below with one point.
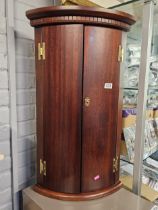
(100, 118)
(119, 131)
(80, 11)
(78, 196)
(39, 103)
(62, 106)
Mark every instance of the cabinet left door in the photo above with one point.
(59, 106)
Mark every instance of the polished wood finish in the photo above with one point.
(40, 100)
(80, 11)
(100, 118)
(119, 130)
(77, 14)
(78, 119)
(78, 197)
(81, 20)
(62, 101)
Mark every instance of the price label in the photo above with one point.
(108, 86)
(96, 177)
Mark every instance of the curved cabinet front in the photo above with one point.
(100, 118)
(78, 103)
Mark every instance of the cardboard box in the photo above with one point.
(123, 149)
(146, 192)
(129, 116)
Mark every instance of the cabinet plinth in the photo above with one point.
(77, 53)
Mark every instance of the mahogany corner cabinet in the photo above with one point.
(78, 53)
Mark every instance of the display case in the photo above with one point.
(140, 98)
(150, 164)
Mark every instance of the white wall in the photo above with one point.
(25, 84)
(25, 89)
(5, 163)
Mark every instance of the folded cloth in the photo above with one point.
(152, 101)
(152, 162)
(153, 78)
(133, 54)
(154, 156)
(134, 47)
(133, 62)
(154, 65)
(133, 76)
(130, 97)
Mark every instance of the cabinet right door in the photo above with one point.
(100, 107)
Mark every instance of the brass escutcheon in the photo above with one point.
(87, 101)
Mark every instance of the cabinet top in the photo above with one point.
(79, 14)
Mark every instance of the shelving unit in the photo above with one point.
(145, 35)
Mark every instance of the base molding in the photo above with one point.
(77, 197)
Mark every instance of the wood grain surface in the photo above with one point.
(62, 105)
(100, 118)
(78, 142)
(40, 77)
(78, 197)
(98, 12)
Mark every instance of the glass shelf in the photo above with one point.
(130, 88)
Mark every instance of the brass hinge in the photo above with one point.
(115, 164)
(41, 51)
(120, 54)
(42, 167)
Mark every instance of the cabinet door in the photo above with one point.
(100, 106)
(62, 107)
